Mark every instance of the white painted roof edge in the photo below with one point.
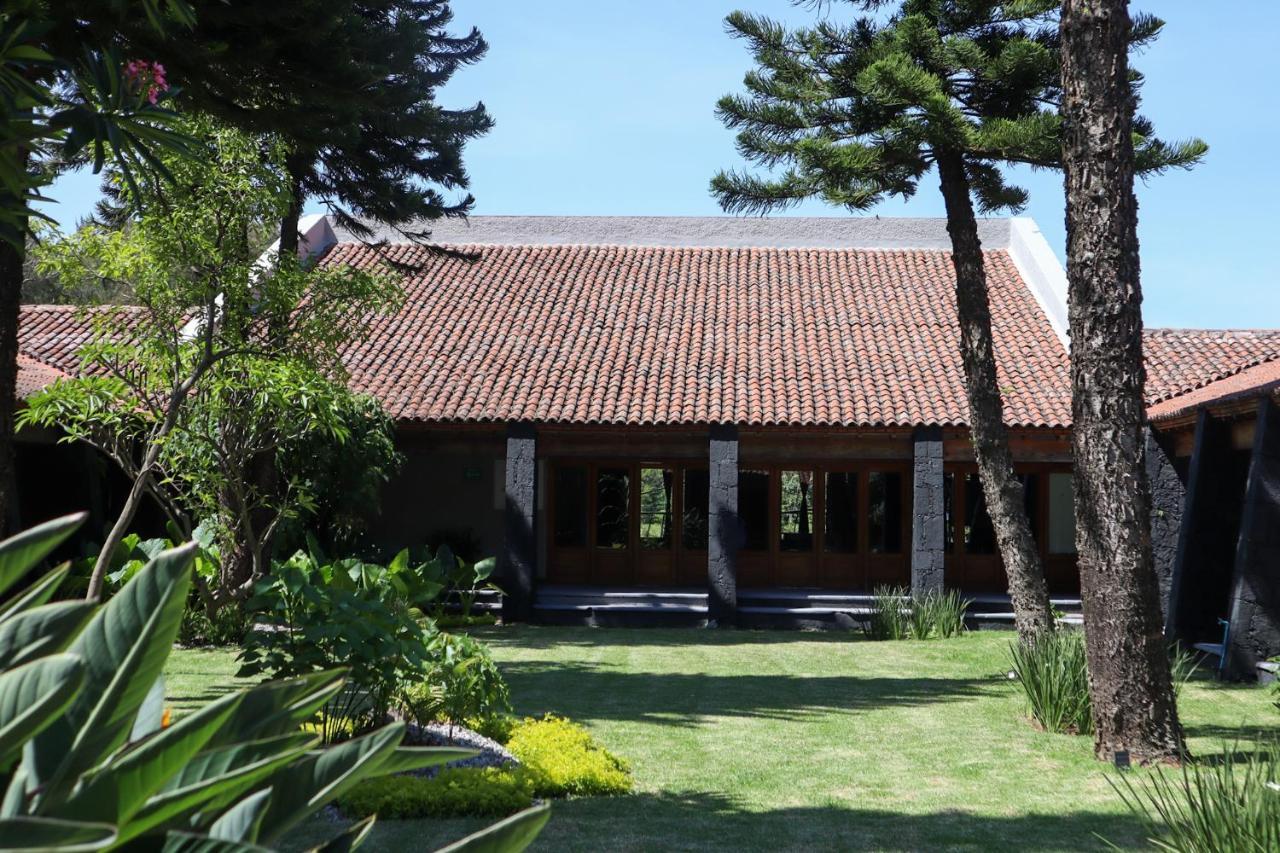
(1040, 270)
(315, 236)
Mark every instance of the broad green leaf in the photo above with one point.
(506, 836)
(347, 840)
(64, 836)
(150, 717)
(35, 595)
(408, 758)
(306, 786)
(243, 820)
(42, 631)
(214, 780)
(115, 791)
(124, 649)
(484, 568)
(19, 554)
(278, 707)
(32, 697)
(189, 842)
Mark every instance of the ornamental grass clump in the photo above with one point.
(888, 619)
(1054, 677)
(937, 614)
(1228, 805)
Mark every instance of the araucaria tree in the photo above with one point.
(856, 113)
(1134, 710)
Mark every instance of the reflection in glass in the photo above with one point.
(796, 528)
(884, 512)
(840, 536)
(613, 504)
(697, 489)
(979, 535)
(656, 485)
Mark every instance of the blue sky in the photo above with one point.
(606, 108)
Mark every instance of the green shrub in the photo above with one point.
(228, 626)
(1231, 805)
(453, 792)
(91, 760)
(563, 759)
(497, 727)
(461, 682)
(1054, 677)
(937, 614)
(888, 619)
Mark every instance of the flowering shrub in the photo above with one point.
(146, 78)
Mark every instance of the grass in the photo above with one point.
(759, 740)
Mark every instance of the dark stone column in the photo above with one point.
(725, 534)
(1168, 494)
(520, 550)
(1203, 530)
(928, 518)
(1255, 590)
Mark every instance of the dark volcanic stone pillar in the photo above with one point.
(723, 525)
(520, 550)
(1255, 590)
(928, 517)
(1168, 494)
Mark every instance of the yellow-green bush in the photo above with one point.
(563, 759)
(455, 792)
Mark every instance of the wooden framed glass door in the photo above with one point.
(656, 554)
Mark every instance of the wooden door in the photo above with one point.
(657, 500)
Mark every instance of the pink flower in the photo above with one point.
(146, 78)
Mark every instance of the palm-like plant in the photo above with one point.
(88, 763)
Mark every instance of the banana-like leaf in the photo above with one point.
(42, 631)
(64, 836)
(242, 821)
(306, 786)
(189, 842)
(36, 594)
(214, 780)
(150, 716)
(408, 758)
(115, 791)
(506, 836)
(347, 840)
(19, 554)
(279, 707)
(124, 648)
(32, 697)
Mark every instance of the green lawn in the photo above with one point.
(770, 740)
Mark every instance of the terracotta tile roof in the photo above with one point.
(54, 335)
(1251, 382)
(606, 334)
(35, 376)
(1182, 360)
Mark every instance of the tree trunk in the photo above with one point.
(11, 258)
(1134, 710)
(1002, 488)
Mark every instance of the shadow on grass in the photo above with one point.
(590, 692)
(703, 821)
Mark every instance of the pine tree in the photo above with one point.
(856, 113)
(1134, 710)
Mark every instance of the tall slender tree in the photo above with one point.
(1134, 710)
(856, 113)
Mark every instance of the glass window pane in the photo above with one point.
(840, 536)
(796, 530)
(884, 512)
(571, 506)
(656, 486)
(613, 505)
(1062, 515)
(979, 535)
(697, 491)
(948, 512)
(753, 509)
